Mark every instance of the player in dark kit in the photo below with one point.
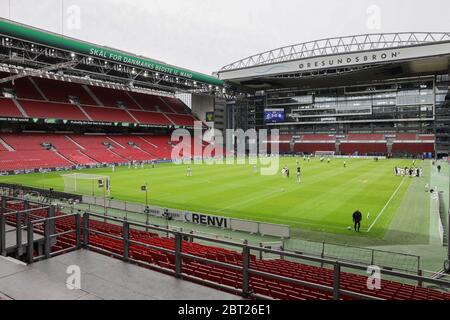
(357, 217)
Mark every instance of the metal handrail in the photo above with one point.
(25, 211)
(244, 267)
(246, 251)
(48, 237)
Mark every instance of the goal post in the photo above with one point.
(87, 184)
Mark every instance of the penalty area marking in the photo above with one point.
(385, 206)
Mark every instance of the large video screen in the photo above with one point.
(273, 115)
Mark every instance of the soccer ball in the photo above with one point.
(349, 228)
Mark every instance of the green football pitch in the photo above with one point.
(323, 201)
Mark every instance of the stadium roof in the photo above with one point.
(409, 53)
(332, 46)
(42, 37)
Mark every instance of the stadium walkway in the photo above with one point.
(102, 277)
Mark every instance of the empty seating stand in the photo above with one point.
(108, 114)
(24, 88)
(182, 120)
(9, 109)
(176, 105)
(24, 160)
(64, 92)
(147, 102)
(363, 144)
(148, 117)
(29, 150)
(47, 97)
(260, 285)
(311, 143)
(52, 110)
(111, 98)
(413, 144)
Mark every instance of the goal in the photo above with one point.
(87, 184)
(326, 154)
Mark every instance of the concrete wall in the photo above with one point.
(202, 104)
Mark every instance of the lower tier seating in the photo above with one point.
(415, 148)
(25, 160)
(313, 147)
(261, 285)
(363, 148)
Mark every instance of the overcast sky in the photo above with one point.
(204, 35)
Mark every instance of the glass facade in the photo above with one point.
(412, 105)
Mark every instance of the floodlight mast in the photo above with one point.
(104, 199)
(448, 236)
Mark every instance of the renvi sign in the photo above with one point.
(207, 220)
(191, 217)
(339, 60)
(23, 32)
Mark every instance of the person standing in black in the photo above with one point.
(357, 217)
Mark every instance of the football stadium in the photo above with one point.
(314, 171)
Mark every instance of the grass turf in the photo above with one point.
(323, 201)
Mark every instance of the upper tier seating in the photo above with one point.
(318, 137)
(24, 89)
(64, 91)
(52, 110)
(8, 108)
(176, 105)
(108, 114)
(110, 97)
(182, 120)
(145, 117)
(148, 102)
(54, 103)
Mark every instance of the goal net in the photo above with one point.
(87, 184)
(324, 154)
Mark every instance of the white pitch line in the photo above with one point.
(385, 206)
